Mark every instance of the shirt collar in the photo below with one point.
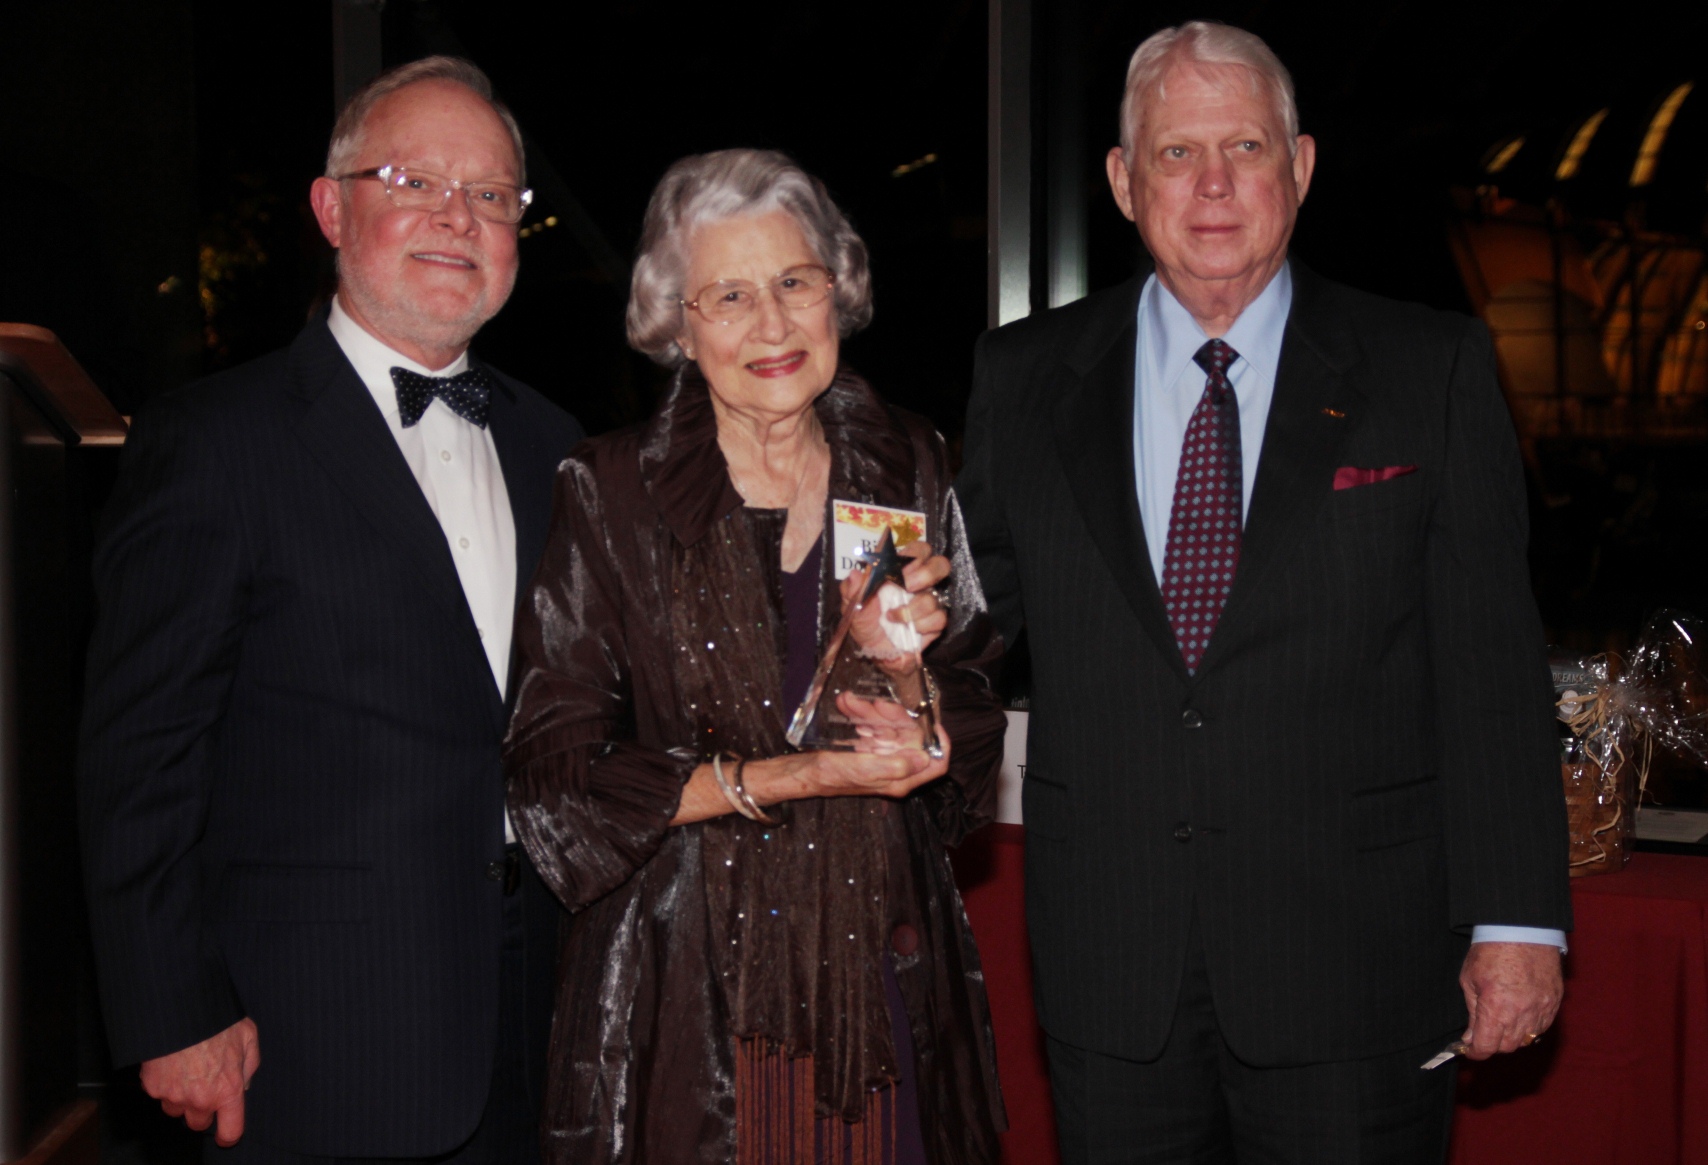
(1172, 337)
(373, 359)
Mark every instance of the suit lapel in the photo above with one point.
(1094, 438)
(1314, 407)
(347, 435)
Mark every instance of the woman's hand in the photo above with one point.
(926, 614)
(884, 726)
(887, 762)
(876, 769)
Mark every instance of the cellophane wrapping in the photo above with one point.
(1613, 711)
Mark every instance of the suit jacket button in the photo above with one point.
(495, 871)
(1191, 719)
(1183, 832)
(905, 939)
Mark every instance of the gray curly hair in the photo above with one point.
(1205, 42)
(724, 184)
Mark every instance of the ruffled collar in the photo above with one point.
(871, 455)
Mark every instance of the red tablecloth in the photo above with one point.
(991, 874)
(1621, 1080)
(1623, 1077)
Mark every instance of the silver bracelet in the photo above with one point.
(753, 812)
(723, 784)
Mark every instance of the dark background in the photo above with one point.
(155, 159)
(158, 155)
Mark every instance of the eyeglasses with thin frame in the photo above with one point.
(410, 189)
(730, 300)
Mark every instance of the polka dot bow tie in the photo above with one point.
(1204, 528)
(468, 394)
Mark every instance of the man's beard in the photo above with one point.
(394, 318)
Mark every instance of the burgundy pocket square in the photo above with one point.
(1348, 476)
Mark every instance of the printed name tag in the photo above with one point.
(859, 527)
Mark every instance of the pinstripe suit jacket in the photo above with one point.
(290, 786)
(1364, 765)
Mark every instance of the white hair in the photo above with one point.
(1204, 42)
(705, 188)
(352, 122)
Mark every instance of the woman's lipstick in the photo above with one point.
(783, 365)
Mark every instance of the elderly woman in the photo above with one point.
(734, 990)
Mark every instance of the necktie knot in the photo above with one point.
(1215, 358)
(468, 394)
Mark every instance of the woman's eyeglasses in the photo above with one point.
(730, 300)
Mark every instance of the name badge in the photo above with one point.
(859, 527)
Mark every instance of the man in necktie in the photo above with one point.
(313, 929)
(1292, 804)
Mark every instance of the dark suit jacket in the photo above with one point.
(290, 785)
(1364, 765)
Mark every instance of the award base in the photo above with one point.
(819, 723)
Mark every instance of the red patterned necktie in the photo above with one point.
(1204, 527)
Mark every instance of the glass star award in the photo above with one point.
(819, 723)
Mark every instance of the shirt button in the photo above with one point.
(495, 872)
(904, 939)
(1183, 832)
(480, 631)
(1191, 719)
(463, 542)
(444, 455)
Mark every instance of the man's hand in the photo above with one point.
(207, 1081)
(1513, 992)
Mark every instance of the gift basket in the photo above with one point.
(1612, 713)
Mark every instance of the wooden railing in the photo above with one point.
(58, 435)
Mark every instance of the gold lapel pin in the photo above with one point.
(1335, 413)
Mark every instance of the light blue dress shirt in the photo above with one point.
(1168, 386)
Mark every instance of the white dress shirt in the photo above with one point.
(457, 466)
(1168, 385)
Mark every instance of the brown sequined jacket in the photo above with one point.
(653, 635)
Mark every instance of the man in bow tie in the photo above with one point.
(313, 929)
(1293, 809)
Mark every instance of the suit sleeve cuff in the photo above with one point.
(1519, 934)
